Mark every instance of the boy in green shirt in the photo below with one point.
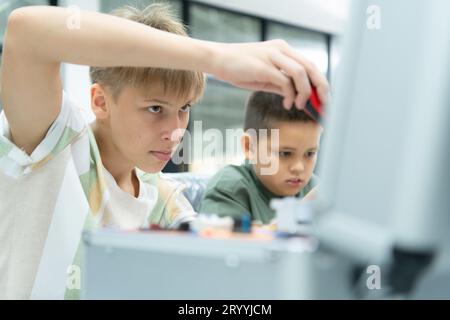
(60, 175)
(278, 164)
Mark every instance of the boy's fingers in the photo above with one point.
(288, 90)
(267, 87)
(298, 75)
(318, 80)
(321, 84)
(277, 78)
(260, 86)
(324, 95)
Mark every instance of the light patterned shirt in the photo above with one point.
(48, 198)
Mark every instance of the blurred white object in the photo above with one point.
(292, 215)
(204, 221)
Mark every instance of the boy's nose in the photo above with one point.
(173, 135)
(177, 134)
(173, 130)
(297, 167)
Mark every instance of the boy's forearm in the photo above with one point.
(96, 39)
(40, 35)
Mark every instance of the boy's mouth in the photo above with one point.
(294, 182)
(162, 155)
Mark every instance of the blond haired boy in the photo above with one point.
(60, 175)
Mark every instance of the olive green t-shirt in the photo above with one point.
(236, 190)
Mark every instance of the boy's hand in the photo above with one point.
(37, 41)
(271, 66)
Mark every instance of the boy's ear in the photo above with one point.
(99, 101)
(247, 145)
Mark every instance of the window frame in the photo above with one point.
(264, 31)
(264, 22)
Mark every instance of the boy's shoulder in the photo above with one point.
(165, 185)
(170, 200)
(158, 180)
(231, 178)
(70, 128)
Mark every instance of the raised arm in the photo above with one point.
(39, 39)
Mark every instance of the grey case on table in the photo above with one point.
(155, 265)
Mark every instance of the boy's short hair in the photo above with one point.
(264, 109)
(179, 82)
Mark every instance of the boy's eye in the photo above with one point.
(285, 154)
(154, 109)
(311, 154)
(186, 108)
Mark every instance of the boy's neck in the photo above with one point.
(123, 173)
(260, 185)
